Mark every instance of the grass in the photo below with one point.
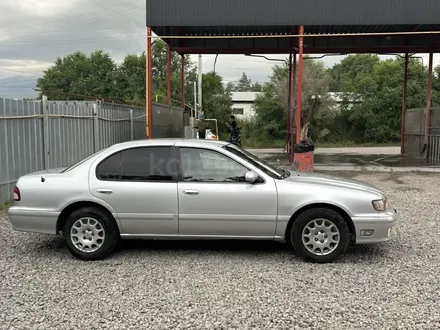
(5, 206)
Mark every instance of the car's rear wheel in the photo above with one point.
(91, 233)
(320, 235)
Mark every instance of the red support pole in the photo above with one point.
(168, 75)
(300, 77)
(405, 84)
(148, 85)
(292, 102)
(182, 81)
(289, 107)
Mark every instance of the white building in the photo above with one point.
(243, 104)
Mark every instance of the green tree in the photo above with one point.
(97, 75)
(230, 87)
(159, 75)
(353, 71)
(244, 84)
(77, 73)
(271, 105)
(130, 79)
(216, 101)
(256, 87)
(378, 117)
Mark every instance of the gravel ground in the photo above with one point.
(224, 285)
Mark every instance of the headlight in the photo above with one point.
(380, 205)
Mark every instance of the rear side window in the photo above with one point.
(139, 164)
(110, 168)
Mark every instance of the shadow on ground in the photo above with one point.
(248, 250)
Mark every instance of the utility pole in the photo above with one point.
(200, 83)
(195, 100)
(194, 119)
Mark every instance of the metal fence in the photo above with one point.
(36, 135)
(414, 138)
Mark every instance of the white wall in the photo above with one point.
(244, 101)
(248, 110)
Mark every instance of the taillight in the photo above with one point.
(17, 196)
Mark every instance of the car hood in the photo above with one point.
(332, 181)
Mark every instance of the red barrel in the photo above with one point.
(305, 161)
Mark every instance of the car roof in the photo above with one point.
(170, 142)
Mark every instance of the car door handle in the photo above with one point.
(105, 191)
(191, 192)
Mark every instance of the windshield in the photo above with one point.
(261, 164)
(82, 161)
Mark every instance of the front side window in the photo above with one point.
(139, 164)
(202, 165)
(261, 164)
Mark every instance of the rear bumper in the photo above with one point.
(375, 229)
(31, 220)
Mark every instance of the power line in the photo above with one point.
(79, 40)
(44, 23)
(19, 71)
(71, 28)
(6, 83)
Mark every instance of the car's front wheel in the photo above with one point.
(90, 233)
(320, 235)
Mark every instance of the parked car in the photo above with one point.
(209, 135)
(192, 189)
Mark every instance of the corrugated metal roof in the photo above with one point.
(290, 12)
(262, 17)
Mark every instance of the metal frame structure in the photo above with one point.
(309, 27)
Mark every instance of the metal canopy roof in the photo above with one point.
(208, 19)
(274, 43)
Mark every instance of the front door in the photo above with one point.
(215, 199)
(139, 184)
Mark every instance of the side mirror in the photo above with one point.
(251, 177)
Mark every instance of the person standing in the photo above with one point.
(201, 126)
(234, 131)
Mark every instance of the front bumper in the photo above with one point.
(32, 220)
(375, 228)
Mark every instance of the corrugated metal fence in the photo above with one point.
(36, 135)
(414, 138)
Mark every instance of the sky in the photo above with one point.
(33, 33)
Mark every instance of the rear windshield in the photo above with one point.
(71, 167)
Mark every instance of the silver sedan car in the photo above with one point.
(192, 189)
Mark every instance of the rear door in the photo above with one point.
(141, 185)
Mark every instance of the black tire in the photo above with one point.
(106, 222)
(301, 222)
